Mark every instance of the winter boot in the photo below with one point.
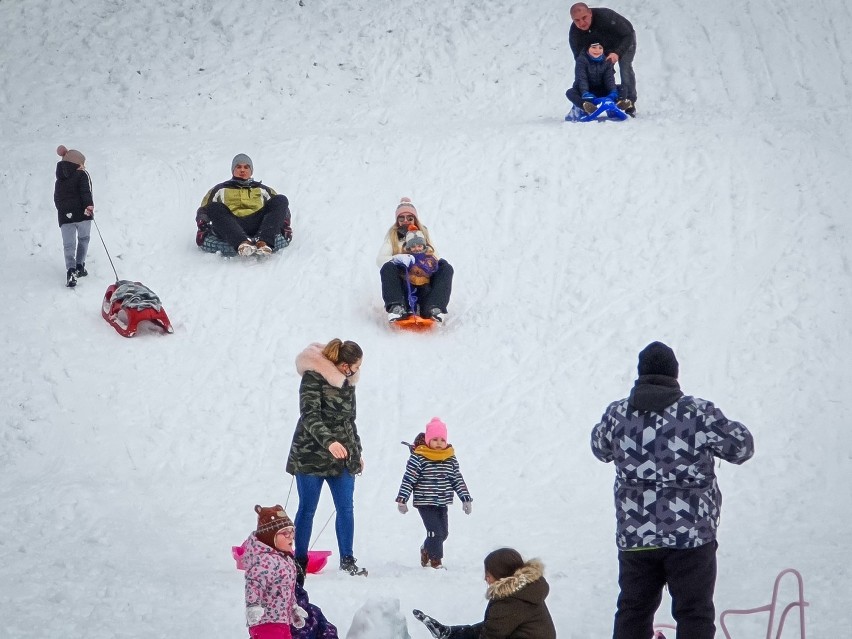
(436, 564)
(301, 570)
(263, 248)
(424, 557)
(397, 311)
(347, 564)
(589, 107)
(71, 278)
(435, 313)
(624, 104)
(438, 630)
(81, 270)
(246, 248)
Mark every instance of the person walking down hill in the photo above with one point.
(594, 78)
(326, 447)
(433, 295)
(516, 608)
(245, 213)
(270, 576)
(663, 444)
(618, 38)
(75, 207)
(433, 474)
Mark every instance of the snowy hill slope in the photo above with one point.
(715, 221)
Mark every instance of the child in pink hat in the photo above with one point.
(433, 474)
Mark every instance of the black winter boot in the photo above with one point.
(301, 570)
(348, 564)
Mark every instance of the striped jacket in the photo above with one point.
(243, 198)
(433, 476)
(666, 494)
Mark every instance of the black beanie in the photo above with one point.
(658, 359)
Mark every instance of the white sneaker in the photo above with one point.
(246, 248)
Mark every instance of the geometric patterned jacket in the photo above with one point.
(663, 445)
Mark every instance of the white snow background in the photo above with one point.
(716, 221)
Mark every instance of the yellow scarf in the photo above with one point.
(435, 455)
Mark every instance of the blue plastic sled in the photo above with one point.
(606, 111)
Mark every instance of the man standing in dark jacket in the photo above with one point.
(618, 38)
(667, 501)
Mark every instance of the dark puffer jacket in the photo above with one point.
(609, 28)
(72, 193)
(327, 415)
(594, 76)
(516, 608)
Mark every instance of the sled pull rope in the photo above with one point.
(323, 528)
(105, 249)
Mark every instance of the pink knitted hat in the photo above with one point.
(405, 206)
(436, 428)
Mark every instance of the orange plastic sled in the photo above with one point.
(414, 323)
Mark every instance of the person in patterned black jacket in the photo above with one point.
(433, 474)
(667, 500)
(326, 447)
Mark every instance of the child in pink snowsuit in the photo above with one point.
(271, 576)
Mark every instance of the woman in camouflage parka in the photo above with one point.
(326, 447)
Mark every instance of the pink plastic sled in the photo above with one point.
(316, 558)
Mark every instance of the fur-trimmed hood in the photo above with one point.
(527, 584)
(312, 359)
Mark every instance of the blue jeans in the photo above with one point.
(342, 489)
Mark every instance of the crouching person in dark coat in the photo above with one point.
(516, 608)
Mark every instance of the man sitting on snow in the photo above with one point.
(245, 213)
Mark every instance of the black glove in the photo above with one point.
(438, 630)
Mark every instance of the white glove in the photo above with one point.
(299, 616)
(467, 506)
(402, 507)
(253, 614)
(403, 259)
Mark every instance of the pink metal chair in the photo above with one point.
(800, 603)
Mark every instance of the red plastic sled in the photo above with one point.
(127, 303)
(414, 323)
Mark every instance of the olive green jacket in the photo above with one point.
(327, 415)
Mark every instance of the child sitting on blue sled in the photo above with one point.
(594, 80)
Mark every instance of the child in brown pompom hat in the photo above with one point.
(271, 571)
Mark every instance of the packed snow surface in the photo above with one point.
(716, 221)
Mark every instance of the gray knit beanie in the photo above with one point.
(241, 158)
